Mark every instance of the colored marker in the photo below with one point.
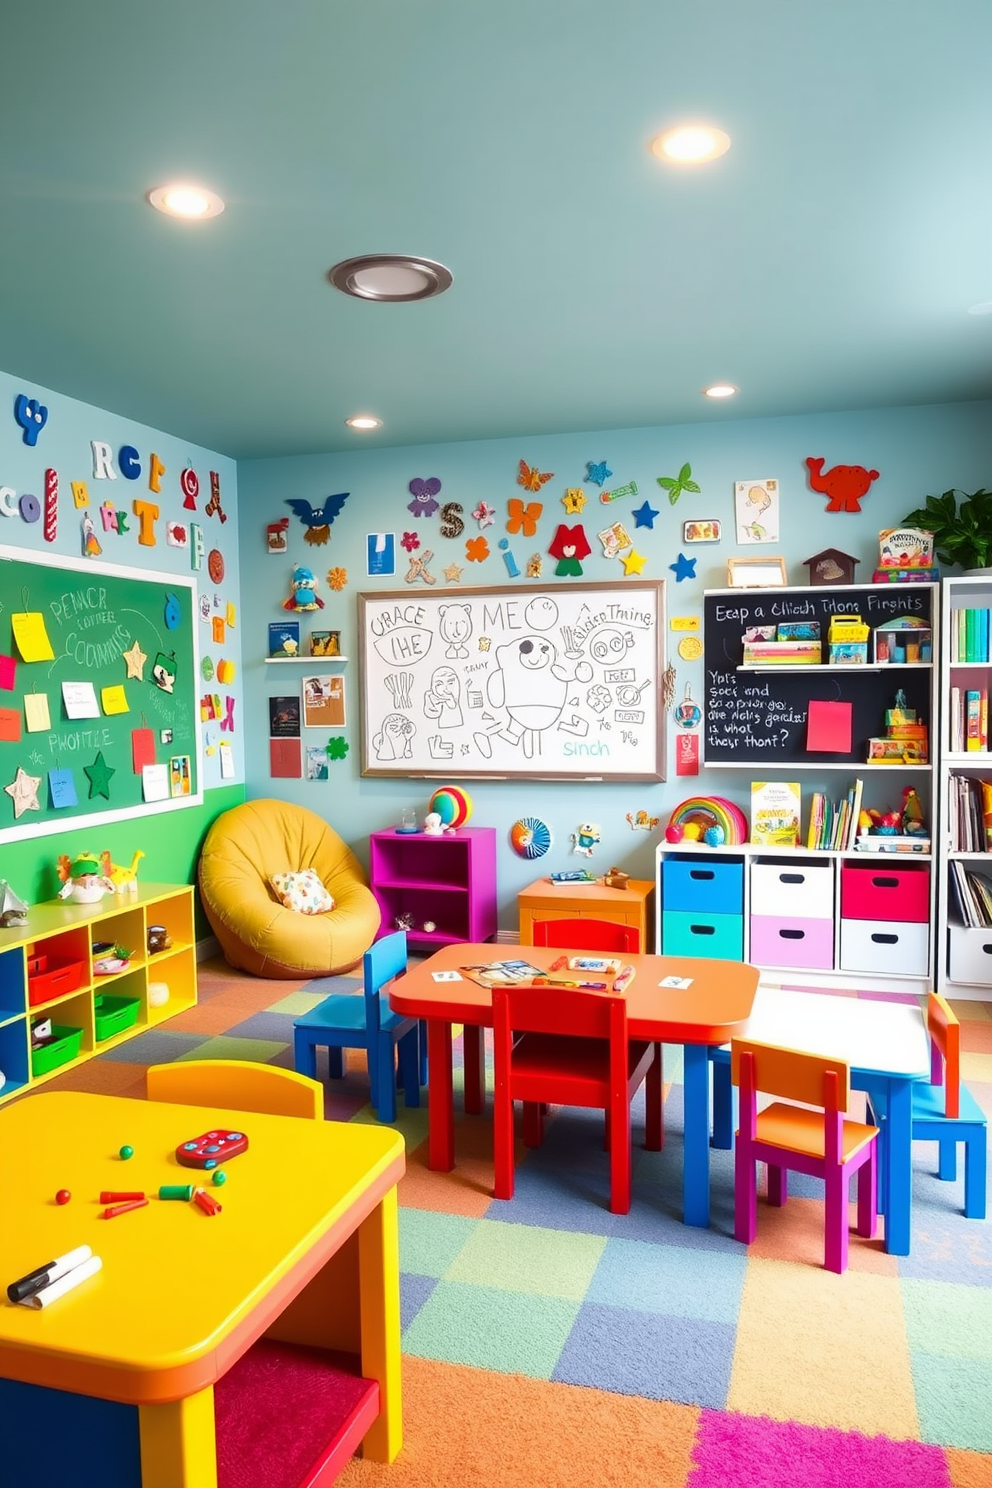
(111, 1196)
(206, 1202)
(124, 1208)
(176, 1191)
(66, 1283)
(41, 1276)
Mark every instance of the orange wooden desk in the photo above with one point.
(708, 1013)
(543, 900)
(305, 1251)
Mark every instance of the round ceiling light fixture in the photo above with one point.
(194, 203)
(720, 390)
(364, 421)
(390, 276)
(690, 144)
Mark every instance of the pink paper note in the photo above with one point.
(828, 728)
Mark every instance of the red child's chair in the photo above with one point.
(592, 1064)
(587, 935)
(945, 1111)
(823, 1143)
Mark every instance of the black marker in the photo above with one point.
(44, 1275)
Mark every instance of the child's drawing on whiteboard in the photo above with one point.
(756, 511)
(395, 738)
(442, 700)
(532, 686)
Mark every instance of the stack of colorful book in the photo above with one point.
(971, 636)
(969, 803)
(782, 653)
(832, 824)
(969, 720)
(973, 893)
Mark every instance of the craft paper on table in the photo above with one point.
(36, 714)
(828, 727)
(756, 511)
(10, 725)
(446, 976)
(62, 789)
(114, 700)
(284, 717)
(8, 671)
(142, 749)
(31, 636)
(323, 702)
(285, 759)
(680, 983)
(318, 766)
(79, 700)
(155, 782)
(226, 754)
(381, 553)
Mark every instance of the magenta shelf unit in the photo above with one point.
(450, 880)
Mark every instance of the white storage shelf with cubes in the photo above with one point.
(964, 845)
(837, 922)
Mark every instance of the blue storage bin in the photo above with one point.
(712, 886)
(718, 936)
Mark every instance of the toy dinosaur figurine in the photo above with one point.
(844, 484)
(124, 880)
(82, 880)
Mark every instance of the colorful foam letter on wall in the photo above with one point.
(51, 504)
(147, 514)
(196, 546)
(103, 460)
(156, 470)
(31, 415)
(213, 506)
(190, 483)
(130, 464)
(80, 494)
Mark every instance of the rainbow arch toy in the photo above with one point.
(712, 811)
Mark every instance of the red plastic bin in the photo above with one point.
(48, 977)
(878, 893)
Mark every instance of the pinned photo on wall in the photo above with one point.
(155, 782)
(164, 672)
(276, 540)
(284, 717)
(323, 702)
(179, 775)
(325, 643)
(317, 763)
(756, 511)
(706, 530)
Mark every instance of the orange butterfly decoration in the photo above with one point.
(531, 478)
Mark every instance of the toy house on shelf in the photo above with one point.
(831, 567)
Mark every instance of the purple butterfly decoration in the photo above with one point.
(423, 492)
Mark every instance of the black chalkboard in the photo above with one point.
(92, 614)
(755, 718)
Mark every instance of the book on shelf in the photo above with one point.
(970, 814)
(835, 826)
(971, 896)
(896, 842)
(976, 720)
(775, 813)
(971, 636)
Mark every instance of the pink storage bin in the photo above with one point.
(776, 941)
(884, 893)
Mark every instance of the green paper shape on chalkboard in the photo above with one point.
(164, 672)
(98, 774)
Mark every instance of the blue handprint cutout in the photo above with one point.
(31, 415)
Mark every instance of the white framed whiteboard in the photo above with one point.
(548, 682)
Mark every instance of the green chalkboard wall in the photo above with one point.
(83, 770)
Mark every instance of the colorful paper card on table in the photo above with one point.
(10, 725)
(80, 701)
(62, 789)
(31, 636)
(114, 699)
(142, 749)
(828, 727)
(285, 759)
(155, 782)
(36, 714)
(8, 671)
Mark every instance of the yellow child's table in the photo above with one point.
(305, 1251)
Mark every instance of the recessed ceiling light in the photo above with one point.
(720, 390)
(690, 144)
(191, 202)
(984, 307)
(390, 276)
(364, 421)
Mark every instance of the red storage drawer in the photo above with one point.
(49, 977)
(884, 893)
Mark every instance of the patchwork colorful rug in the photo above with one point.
(548, 1342)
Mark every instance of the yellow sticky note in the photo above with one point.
(32, 637)
(37, 718)
(114, 699)
(230, 614)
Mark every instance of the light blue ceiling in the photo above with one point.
(826, 262)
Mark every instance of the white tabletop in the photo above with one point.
(886, 1038)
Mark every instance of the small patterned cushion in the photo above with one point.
(303, 892)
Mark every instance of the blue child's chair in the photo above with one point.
(346, 1021)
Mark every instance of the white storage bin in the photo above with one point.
(970, 955)
(893, 946)
(798, 891)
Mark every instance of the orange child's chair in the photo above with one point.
(237, 1084)
(588, 935)
(945, 1111)
(592, 1065)
(823, 1143)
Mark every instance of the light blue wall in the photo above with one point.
(917, 450)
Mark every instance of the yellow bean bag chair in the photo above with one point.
(243, 849)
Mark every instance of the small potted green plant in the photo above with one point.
(962, 533)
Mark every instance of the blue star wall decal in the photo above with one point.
(683, 568)
(644, 516)
(598, 473)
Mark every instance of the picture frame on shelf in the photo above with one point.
(756, 573)
(284, 638)
(325, 643)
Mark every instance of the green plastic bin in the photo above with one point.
(113, 1014)
(63, 1045)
